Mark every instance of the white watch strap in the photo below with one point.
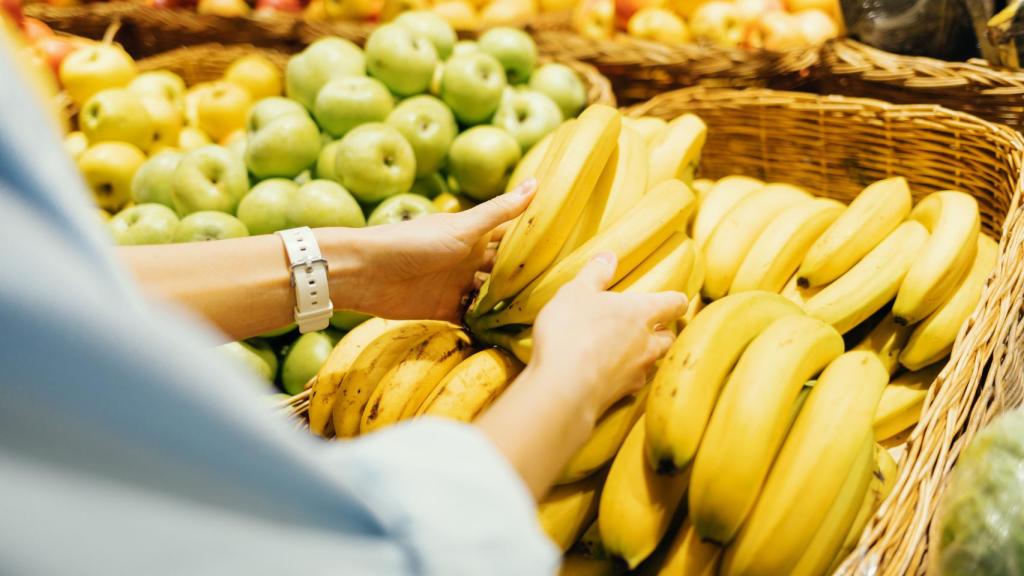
(313, 307)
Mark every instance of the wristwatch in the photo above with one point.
(313, 307)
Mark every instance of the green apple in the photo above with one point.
(209, 178)
(482, 159)
(562, 85)
(400, 208)
(322, 61)
(432, 27)
(374, 162)
(162, 83)
(117, 115)
(304, 359)
(528, 116)
(75, 143)
(326, 164)
(283, 147)
(269, 109)
(252, 357)
(403, 60)
(108, 168)
(209, 225)
(304, 177)
(323, 203)
(264, 210)
(88, 70)
(429, 127)
(472, 86)
(345, 103)
(144, 224)
(465, 47)
(153, 182)
(514, 48)
(276, 332)
(429, 186)
(266, 353)
(348, 319)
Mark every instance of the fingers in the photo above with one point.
(483, 218)
(598, 273)
(663, 308)
(661, 341)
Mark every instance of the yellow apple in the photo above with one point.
(228, 8)
(108, 168)
(556, 5)
(718, 23)
(461, 15)
(222, 108)
(353, 9)
(192, 102)
(684, 8)
(658, 24)
(393, 8)
(257, 74)
(778, 32)
(830, 7)
(507, 13)
(191, 138)
(816, 26)
(315, 11)
(88, 70)
(749, 11)
(595, 19)
(162, 83)
(75, 143)
(167, 121)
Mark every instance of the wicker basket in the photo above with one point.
(995, 94)
(834, 146)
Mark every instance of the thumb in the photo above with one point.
(483, 218)
(598, 273)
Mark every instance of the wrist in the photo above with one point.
(567, 385)
(347, 266)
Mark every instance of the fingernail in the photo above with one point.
(526, 187)
(605, 258)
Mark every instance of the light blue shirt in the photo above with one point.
(128, 447)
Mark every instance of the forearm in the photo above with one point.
(243, 285)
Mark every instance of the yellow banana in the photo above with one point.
(567, 510)
(667, 268)
(472, 386)
(827, 541)
(377, 359)
(580, 565)
(696, 280)
(750, 421)
(660, 213)
(701, 187)
(902, 401)
(403, 389)
(736, 233)
(686, 386)
(797, 295)
(606, 439)
(637, 504)
(530, 164)
(809, 473)
(883, 479)
(676, 152)
(872, 282)
(886, 340)
(650, 128)
(566, 179)
(953, 221)
(687, 555)
(869, 219)
(932, 339)
(777, 252)
(519, 342)
(590, 543)
(722, 197)
(328, 379)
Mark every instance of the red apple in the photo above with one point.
(624, 9)
(170, 4)
(13, 9)
(55, 49)
(278, 6)
(35, 30)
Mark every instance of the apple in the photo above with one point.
(266, 352)
(831, 7)
(279, 204)
(403, 60)
(144, 224)
(276, 332)
(562, 85)
(345, 103)
(816, 26)
(87, 71)
(594, 19)
(252, 358)
(449, 203)
(304, 359)
(353, 9)
(108, 168)
(482, 159)
(272, 6)
(374, 161)
(432, 27)
(461, 15)
(164, 4)
(55, 49)
(392, 9)
(75, 143)
(209, 225)
(304, 177)
(749, 11)
(163, 83)
(507, 13)
(153, 181)
(264, 210)
(528, 116)
(119, 115)
(225, 8)
(514, 49)
(429, 127)
(167, 121)
(283, 147)
(322, 61)
(465, 47)
(326, 164)
(35, 30)
(399, 208)
(472, 86)
(430, 186)
(717, 22)
(268, 109)
(625, 9)
(13, 10)
(658, 24)
(209, 178)
(348, 319)
(191, 138)
(778, 32)
(257, 74)
(222, 108)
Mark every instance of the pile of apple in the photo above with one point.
(775, 25)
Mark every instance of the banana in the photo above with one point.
(472, 386)
(328, 379)
(902, 401)
(686, 386)
(750, 421)
(667, 268)
(797, 295)
(736, 233)
(883, 479)
(701, 187)
(403, 389)
(932, 339)
(828, 540)
(872, 282)
(580, 565)
(778, 251)
(887, 339)
(566, 178)
(676, 151)
(590, 543)
(637, 504)
(519, 342)
(606, 439)
(687, 555)
(657, 215)
(650, 128)
(869, 219)
(567, 510)
(696, 280)
(722, 197)
(953, 221)
(530, 164)
(809, 473)
(376, 359)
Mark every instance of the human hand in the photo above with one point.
(603, 342)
